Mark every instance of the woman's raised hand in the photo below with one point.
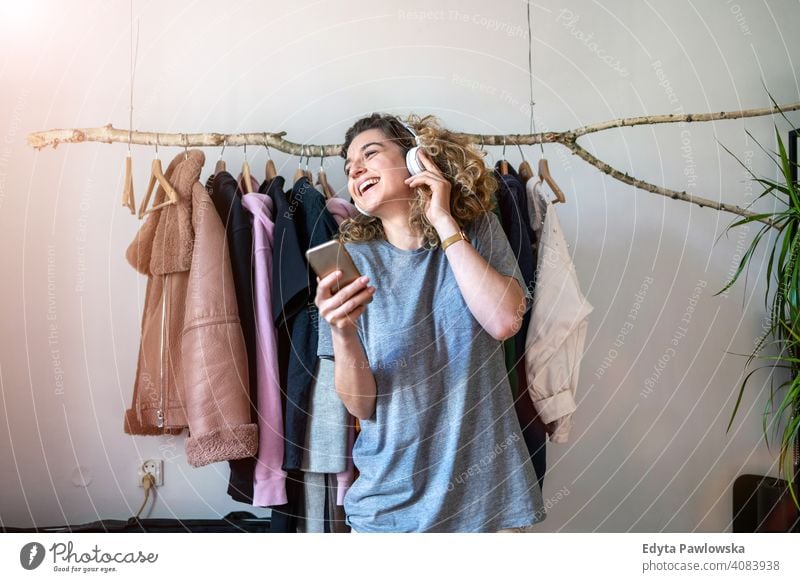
(343, 308)
(437, 189)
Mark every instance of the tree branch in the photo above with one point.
(674, 194)
(109, 134)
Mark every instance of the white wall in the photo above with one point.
(658, 461)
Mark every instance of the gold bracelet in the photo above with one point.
(454, 239)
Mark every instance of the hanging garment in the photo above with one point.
(334, 511)
(443, 451)
(269, 486)
(314, 225)
(513, 210)
(328, 442)
(226, 195)
(289, 283)
(340, 209)
(534, 430)
(330, 431)
(192, 367)
(286, 284)
(288, 518)
(322, 514)
(314, 488)
(513, 203)
(556, 336)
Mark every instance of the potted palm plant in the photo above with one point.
(776, 500)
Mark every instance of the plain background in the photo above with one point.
(642, 456)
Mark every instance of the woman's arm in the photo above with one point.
(353, 377)
(496, 301)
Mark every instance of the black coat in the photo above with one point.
(227, 198)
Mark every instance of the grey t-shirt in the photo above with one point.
(443, 451)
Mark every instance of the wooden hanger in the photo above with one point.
(544, 173)
(248, 186)
(157, 175)
(525, 171)
(298, 173)
(219, 167)
(307, 173)
(322, 180)
(269, 171)
(127, 192)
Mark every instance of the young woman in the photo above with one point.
(417, 341)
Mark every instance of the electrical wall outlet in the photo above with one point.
(155, 467)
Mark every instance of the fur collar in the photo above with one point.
(164, 242)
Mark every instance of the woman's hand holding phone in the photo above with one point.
(343, 308)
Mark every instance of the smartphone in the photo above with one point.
(333, 256)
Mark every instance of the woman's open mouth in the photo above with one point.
(367, 184)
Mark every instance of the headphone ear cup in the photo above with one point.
(413, 163)
(361, 210)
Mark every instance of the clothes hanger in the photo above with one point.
(127, 192)
(248, 186)
(483, 151)
(544, 174)
(269, 171)
(307, 173)
(127, 188)
(157, 175)
(525, 171)
(219, 167)
(298, 173)
(503, 162)
(322, 179)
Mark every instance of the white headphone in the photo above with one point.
(413, 162)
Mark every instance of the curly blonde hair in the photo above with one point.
(459, 160)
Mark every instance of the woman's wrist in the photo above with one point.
(345, 334)
(445, 227)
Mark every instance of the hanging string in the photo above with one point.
(532, 129)
(134, 56)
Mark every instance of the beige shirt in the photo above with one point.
(557, 332)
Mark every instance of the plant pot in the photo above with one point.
(776, 511)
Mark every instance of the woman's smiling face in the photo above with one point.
(376, 171)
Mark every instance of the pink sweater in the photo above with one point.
(340, 208)
(270, 479)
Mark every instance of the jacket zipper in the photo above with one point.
(160, 411)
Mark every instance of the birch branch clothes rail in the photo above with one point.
(110, 134)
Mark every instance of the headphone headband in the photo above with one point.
(411, 131)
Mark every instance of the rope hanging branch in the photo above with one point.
(110, 134)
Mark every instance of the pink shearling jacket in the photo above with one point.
(192, 367)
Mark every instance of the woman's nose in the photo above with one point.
(356, 170)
